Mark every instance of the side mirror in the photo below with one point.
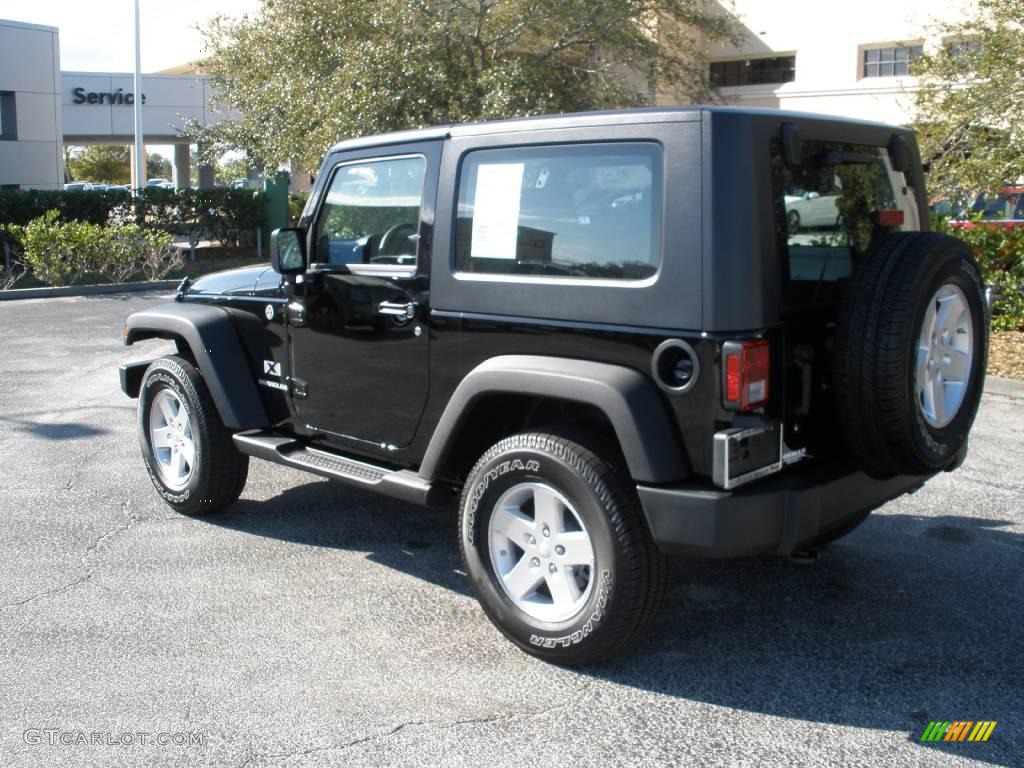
(287, 251)
(812, 195)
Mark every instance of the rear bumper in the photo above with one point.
(778, 515)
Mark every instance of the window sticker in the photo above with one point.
(496, 211)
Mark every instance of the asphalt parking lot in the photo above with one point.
(314, 625)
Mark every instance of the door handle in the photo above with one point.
(398, 309)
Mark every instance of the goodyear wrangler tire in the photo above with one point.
(911, 353)
(556, 548)
(187, 450)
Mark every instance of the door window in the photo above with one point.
(371, 213)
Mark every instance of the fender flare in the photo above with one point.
(220, 355)
(629, 399)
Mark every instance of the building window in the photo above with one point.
(960, 48)
(775, 69)
(890, 62)
(8, 119)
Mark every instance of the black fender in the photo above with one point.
(629, 399)
(212, 337)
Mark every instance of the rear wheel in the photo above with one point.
(187, 450)
(911, 354)
(556, 548)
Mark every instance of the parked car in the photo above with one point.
(597, 338)
(808, 209)
(160, 183)
(78, 186)
(1005, 209)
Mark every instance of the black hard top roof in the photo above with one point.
(683, 113)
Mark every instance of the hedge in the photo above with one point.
(1000, 254)
(62, 252)
(219, 214)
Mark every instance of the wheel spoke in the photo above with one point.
(513, 524)
(522, 579)
(177, 465)
(954, 318)
(547, 509)
(923, 352)
(167, 411)
(956, 366)
(562, 585)
(162, 437)
(188, 453)
(578, 550)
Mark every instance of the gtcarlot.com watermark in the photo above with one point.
(57, 737)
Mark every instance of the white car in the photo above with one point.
(810, 210)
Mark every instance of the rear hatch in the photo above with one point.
(832, 201)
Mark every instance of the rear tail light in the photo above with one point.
(890, 217)
(747, 369)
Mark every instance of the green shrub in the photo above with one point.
(219, 214)
(1000, 254)
(61, 252)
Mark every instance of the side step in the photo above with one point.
(402, 484)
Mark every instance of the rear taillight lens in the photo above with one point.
(890, 217)
(747, 369)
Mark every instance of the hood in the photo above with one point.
(240, 281)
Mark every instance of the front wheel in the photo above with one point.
(187, 450)
(556, 548)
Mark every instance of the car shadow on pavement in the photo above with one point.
(909, 619)
(415, 540)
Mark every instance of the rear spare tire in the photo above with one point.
(911, 352)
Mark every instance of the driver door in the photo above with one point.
(358, 315)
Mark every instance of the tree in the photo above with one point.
(970, 107)
(307, 72)
(107, 164)
(157, 166)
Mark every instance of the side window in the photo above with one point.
(578, 211)
(371, 213)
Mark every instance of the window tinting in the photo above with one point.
(583, 211)
(827, 213)
(890, 62)
(371, 213)
(776, 69)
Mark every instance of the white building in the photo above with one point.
(31, 142)
(831, 56)
(42, 109)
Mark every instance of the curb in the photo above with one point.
(85, 290)
(1005, 387)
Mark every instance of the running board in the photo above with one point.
(402, 484)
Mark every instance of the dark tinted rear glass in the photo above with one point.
(827, 213)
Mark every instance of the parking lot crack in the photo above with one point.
(88, 566)
(499, 717)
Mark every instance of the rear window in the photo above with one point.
(828, 211)
(576, 211)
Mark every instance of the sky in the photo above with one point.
(96, 35)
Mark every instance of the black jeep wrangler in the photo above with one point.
(618, 335)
